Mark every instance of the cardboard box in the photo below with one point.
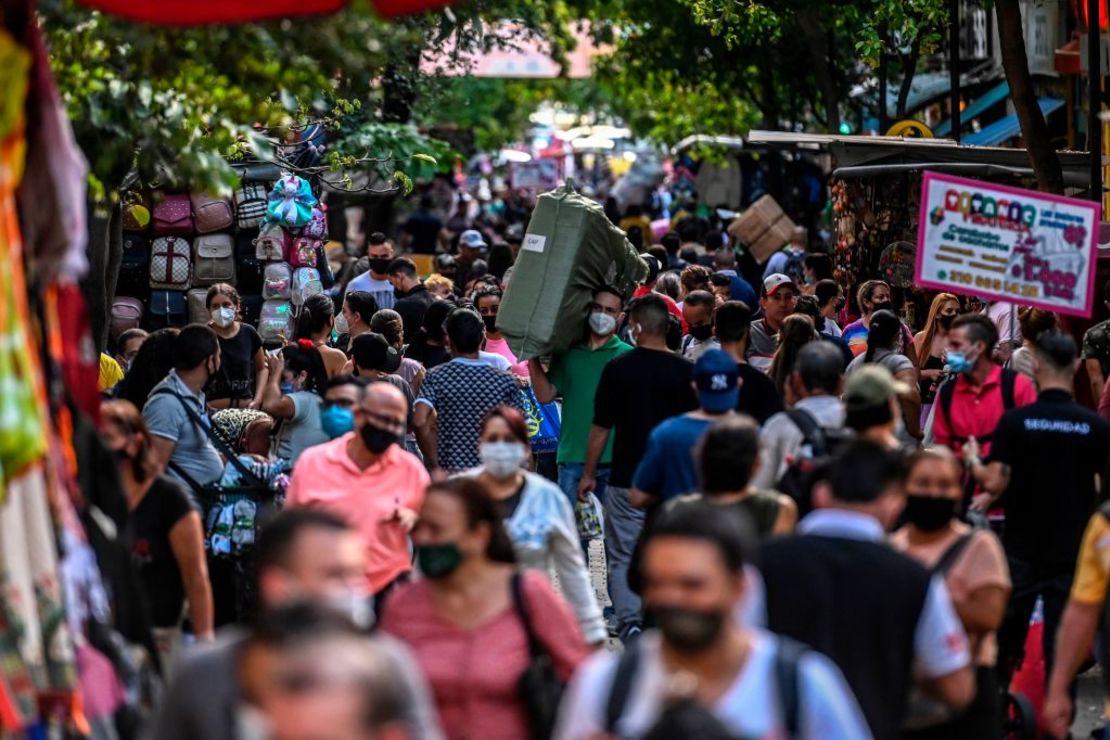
(763, 228)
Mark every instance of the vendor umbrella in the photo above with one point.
(201, 12)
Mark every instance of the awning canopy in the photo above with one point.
(205, 12)
(909, 155)
(978, 107)
(1008, 127)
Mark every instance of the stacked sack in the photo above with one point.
(290, 244)
(268, 243)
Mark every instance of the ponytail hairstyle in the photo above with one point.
(316, 313)
(304, 357)
(129, 421)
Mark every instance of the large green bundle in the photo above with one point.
(570, 250)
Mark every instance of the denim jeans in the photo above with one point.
(571, 473)
(623, 523)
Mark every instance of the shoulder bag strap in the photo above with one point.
(952, 554)
(788, 654)
(1009, 380)
(521, 607)
(811, 430)
(627, 667)
(217, 441)
(944, 399)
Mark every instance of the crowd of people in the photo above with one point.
(814, 522)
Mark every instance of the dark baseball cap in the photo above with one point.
(716, 375)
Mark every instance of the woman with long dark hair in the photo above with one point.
(314, 323)
(797, 331)
(463, 622)
(294, 393)
(150, 367)
(164, 533)
(882, 349)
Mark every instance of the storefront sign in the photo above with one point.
(1004, 243)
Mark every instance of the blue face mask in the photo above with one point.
(959, 363)
(287, 388)
(337, 421)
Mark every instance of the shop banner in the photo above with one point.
(1004, 243)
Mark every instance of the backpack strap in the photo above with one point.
(1009, 380)
(788, 655)
(812, 434)
(944, 398)
(952, 554)
(216, 440)
(627, 667)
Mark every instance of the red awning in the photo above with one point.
(203, 12)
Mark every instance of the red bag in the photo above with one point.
(173, 216)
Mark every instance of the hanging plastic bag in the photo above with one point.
(544, 422)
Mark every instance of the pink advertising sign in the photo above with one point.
(1004, 243)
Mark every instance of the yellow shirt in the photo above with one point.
(1092, 574)
(110, 372)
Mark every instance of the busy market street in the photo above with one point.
(554, 370)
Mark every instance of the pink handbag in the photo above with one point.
(173, 216)
(211, 214)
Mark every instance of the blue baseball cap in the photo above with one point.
(717, 375)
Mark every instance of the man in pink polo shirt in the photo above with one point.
(367, 478)
(979, 396)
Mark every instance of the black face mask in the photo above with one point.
(688, 629)
(379, 264)
(929, 513)
(377, 440)
(884, 306)
(945, 320)
(491, 323)
(840, 305)
(701, 333)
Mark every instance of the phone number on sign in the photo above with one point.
(998, 285)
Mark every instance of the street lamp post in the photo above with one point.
(954, 65)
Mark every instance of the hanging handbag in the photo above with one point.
(540, 686)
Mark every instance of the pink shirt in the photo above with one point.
(325, 476)
(474, 674)
(976, 410)
(501, 347)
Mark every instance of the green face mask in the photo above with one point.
(438, 561)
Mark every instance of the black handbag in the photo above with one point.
(540, 686)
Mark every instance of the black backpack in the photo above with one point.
(788, 654)
(798, 479)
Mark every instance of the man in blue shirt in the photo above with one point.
(668, 468)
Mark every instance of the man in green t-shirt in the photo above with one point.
(575, 376)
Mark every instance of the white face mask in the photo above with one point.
(602, 324)
(502, 460)
(223, 317)
(341, 326)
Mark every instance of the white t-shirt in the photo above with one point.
(494, 360)
(832, 328)
(382, 290)
(750, 707)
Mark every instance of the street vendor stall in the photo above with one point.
(875, 189)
